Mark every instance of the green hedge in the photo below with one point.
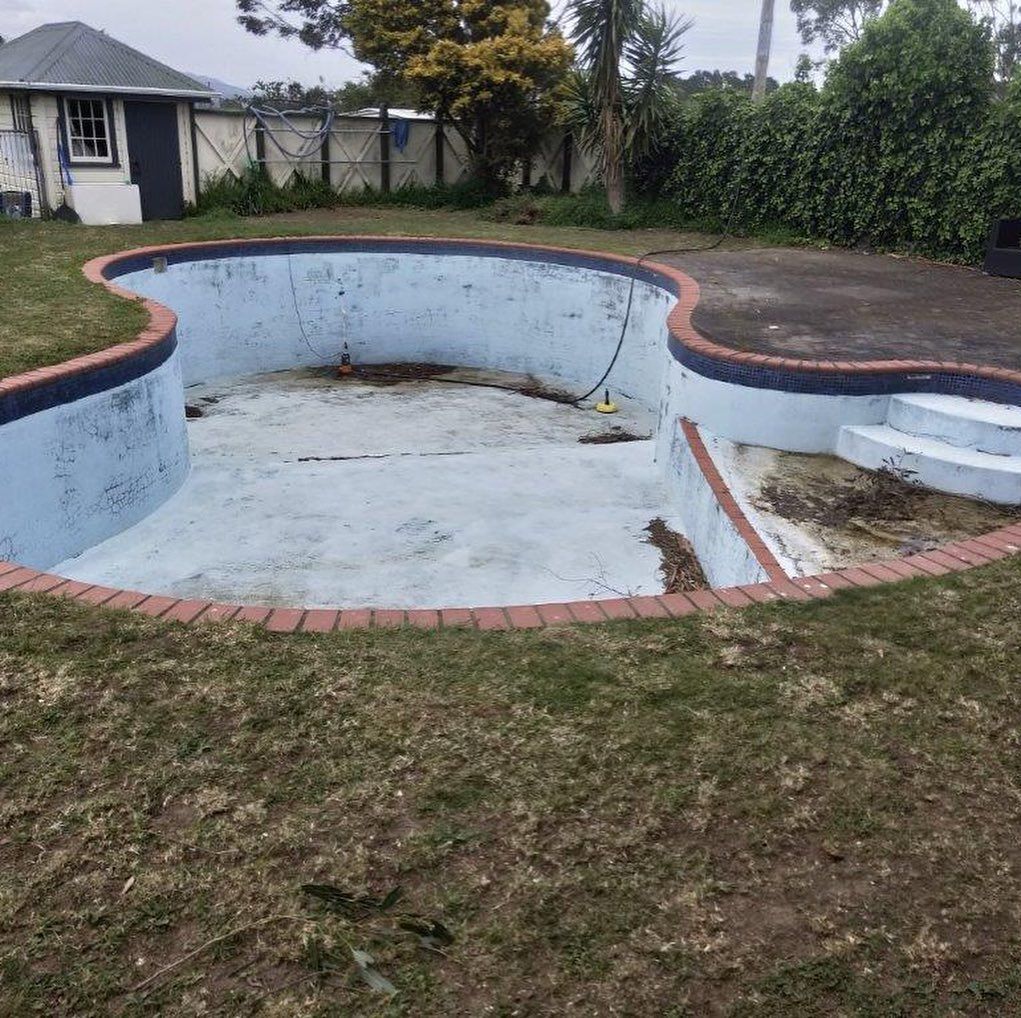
(904, 147)
(254, 194)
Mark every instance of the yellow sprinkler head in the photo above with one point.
(607, 406)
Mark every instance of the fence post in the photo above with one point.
(33, 142)
(441, 148)
(565, 184)
(260, 147)
(384, 148)
(324, 157)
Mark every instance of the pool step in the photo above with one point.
(957, 420)
(933, 463)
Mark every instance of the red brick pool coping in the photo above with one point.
(950, 558)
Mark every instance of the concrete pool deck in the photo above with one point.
(309, 490)
(836, 305)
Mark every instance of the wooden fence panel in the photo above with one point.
(228, 141)
(220, 144)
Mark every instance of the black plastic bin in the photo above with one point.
(1003, 255)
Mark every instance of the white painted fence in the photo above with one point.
(362, 151)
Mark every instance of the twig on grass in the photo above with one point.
(229, 935)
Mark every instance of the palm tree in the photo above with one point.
(613, 114)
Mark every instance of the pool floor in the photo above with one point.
(311, 492)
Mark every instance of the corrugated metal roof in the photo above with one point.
(70, 53)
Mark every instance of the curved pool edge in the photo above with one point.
(688, 347)
(950, 558)
(708, 358)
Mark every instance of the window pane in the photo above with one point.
(87, 129)
(22, 113)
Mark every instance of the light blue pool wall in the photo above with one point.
(87, 469)
(244, 315)
(80, 472)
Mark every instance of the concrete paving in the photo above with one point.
(848, 305)
(309, 491)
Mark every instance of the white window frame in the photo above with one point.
(21, 112)
(108, 159)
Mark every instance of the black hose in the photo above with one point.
(574, 400)
(553, 398)
(727, 232)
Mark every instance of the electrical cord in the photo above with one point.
(727, 232)
(323, 358)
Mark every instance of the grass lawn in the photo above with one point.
(789, 810)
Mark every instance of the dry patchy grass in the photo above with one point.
(792, 810)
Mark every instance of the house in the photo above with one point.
(89, 122)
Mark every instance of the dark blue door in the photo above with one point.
(154, 150)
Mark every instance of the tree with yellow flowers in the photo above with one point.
(491, 68)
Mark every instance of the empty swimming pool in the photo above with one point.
(293, 487)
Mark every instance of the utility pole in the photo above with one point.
(765, 46)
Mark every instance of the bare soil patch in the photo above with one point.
(386, 375)
(862, 515)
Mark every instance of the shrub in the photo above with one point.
(988, 184)
(255, 194)
(900, 111)
(903, 147)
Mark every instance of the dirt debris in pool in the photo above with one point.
(612, 437)
(385, 375)
(679, 565)
(859, 515)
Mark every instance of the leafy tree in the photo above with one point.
(1003, 20)
(704, 81)
(834, 23)
(493, 68)
(371, 90)
(624, 90)
(353, 95)
(903, 147)
(319, 24)
(900, 112)
(290, 94)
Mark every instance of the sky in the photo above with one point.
(202, 37)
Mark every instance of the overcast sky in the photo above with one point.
(203, 37)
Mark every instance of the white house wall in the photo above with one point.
(46, 120)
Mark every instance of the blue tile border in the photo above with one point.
(846, 383)
(817, 381)
(88, 382)
(398, 245)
